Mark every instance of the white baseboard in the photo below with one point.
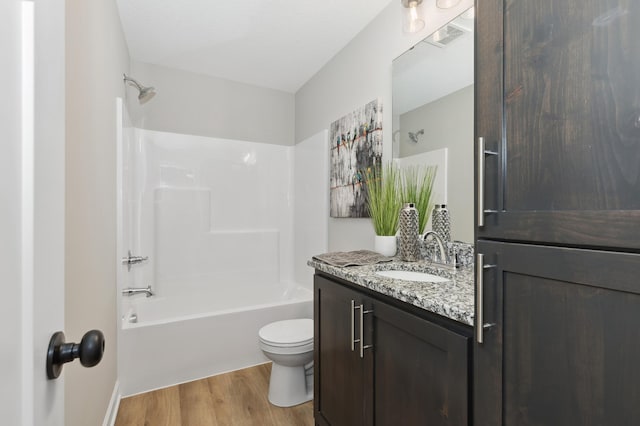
(112, 409)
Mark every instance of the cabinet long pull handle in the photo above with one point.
(480, 182)
(479, 296)
(353, 325)
(480, 325)
(362, 346)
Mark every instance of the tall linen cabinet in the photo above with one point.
(557, 333)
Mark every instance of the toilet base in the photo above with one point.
(287, 386)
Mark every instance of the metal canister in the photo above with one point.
(441, 221)
(409, 246)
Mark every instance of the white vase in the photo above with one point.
(386, 245)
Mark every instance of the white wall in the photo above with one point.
(310, 203)
(358, 74)
(195, 104)
(96, 57)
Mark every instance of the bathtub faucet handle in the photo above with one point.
(132, 260)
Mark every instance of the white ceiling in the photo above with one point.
(279, 44)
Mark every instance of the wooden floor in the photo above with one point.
(236, 399)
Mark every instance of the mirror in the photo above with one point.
(433, 115)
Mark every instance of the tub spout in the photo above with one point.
(129, 291)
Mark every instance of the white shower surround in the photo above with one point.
(216, 218)
(212, 211)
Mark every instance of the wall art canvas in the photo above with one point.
(356, 145)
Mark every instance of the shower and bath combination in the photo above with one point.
(145, 93)
(176, 207)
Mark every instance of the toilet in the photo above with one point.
(289, 344)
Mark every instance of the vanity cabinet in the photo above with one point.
(340, 391)
(379, 364)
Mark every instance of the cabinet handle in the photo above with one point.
(481, 154)
(480, 325)
(353, 325)
(479, 294)
(361, 340)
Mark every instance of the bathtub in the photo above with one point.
(199, 333)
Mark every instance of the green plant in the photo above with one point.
(383, 201)
(416, 186)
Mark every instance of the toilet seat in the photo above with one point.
(287, 334)
(286, 350)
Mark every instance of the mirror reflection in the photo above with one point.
(433, 115)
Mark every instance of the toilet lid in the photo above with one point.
(288, 333)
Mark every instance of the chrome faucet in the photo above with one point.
(444, 258)
(131, 291)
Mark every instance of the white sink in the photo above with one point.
(412, 276)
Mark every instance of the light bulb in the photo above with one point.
(413, 21)
(413, 11)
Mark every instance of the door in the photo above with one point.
(340, 380)
(32, 213)
(558, 109)
(561, 340)
(420, 371)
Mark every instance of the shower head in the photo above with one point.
(145, 93)
(414, 136)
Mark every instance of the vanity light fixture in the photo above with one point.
(446, 4)
(412, 21)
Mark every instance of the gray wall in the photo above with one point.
(358, 74)
(96, 57)
(197, 104)
(448, 123)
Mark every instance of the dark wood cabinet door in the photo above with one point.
(558, 101)
(420, 371)
(563, 339)
(340, 379)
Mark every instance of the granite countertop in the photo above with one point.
(453, 299)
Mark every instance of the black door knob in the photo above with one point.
(90, 351)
